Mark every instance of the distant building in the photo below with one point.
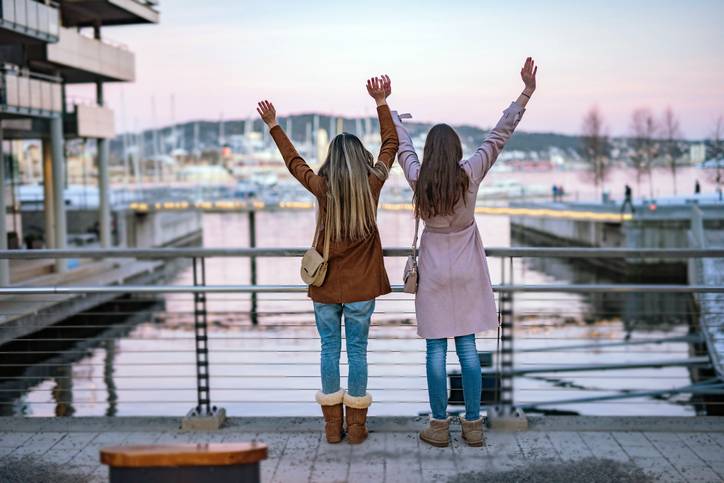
(697, 153)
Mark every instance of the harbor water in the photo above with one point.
(136, 357)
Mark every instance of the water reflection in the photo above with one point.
(49, 357)
(638, 311)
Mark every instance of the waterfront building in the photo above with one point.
(697, 153)
(44, 47)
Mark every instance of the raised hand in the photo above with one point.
(527, 73)
(376, 89)
(268, 113)
(387, 84)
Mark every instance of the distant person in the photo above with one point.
(347, 189)
(561, 193)
(454, 297)
(697, 187)
(628, 200)
(554, 191)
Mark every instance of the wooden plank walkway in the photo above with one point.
(668, 449)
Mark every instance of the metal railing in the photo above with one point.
(253, 342)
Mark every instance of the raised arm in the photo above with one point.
(379, 88)
(295, 163)
(406, 154)
(484, 157)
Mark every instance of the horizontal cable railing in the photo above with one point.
(138, 354)
(514, 252)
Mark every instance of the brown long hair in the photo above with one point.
(351, 209)
(441, 182)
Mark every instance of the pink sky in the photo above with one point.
(456, 62)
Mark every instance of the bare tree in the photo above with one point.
(644, 147)
(670, 135)
(595, 146)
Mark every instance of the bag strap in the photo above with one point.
(414, 240)
(327, 236)
(317, 227)
(327, 240)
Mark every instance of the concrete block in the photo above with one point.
(195, 421)
(505, 420)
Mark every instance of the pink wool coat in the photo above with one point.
(454, 295)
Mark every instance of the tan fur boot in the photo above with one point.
(437, 432)
(333, 418)
(473, 433)
(357, 417)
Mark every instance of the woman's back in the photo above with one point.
(355, 269)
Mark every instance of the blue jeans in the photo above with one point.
(357, 326)
(437, 377)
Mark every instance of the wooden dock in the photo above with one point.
(668, 449)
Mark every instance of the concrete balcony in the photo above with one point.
(87, 13)
(89, 121)
(78, 59)
(24, 94)
(28, 22)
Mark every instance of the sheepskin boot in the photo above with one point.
(357, 417)
(473, 433)
(333, 418)
(437, 432)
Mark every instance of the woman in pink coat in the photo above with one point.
(454, 297)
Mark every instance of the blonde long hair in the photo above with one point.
(351, 208)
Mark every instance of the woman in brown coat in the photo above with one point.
(347, 189)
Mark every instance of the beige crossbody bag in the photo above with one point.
(314, 265)
(409, 278)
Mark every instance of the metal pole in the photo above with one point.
(252, 263)
(104, 206)
(48, 197)
(506, 350)
(4, 264)
(201, 336)
(58, 147)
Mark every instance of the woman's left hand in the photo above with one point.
(268, 113)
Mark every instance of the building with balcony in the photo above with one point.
(46, 45)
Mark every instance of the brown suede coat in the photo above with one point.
(356, 270)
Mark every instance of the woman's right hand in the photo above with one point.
(268, 113)
(527, 73)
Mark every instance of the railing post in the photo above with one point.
(4, 264)
(204, 416)
(505, 415)
(252, 265)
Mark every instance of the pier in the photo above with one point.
(652, 225)
(660, 448)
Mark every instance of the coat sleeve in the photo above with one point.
(484, 157)
(296, 164)
(388, 147)
(406, 155)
